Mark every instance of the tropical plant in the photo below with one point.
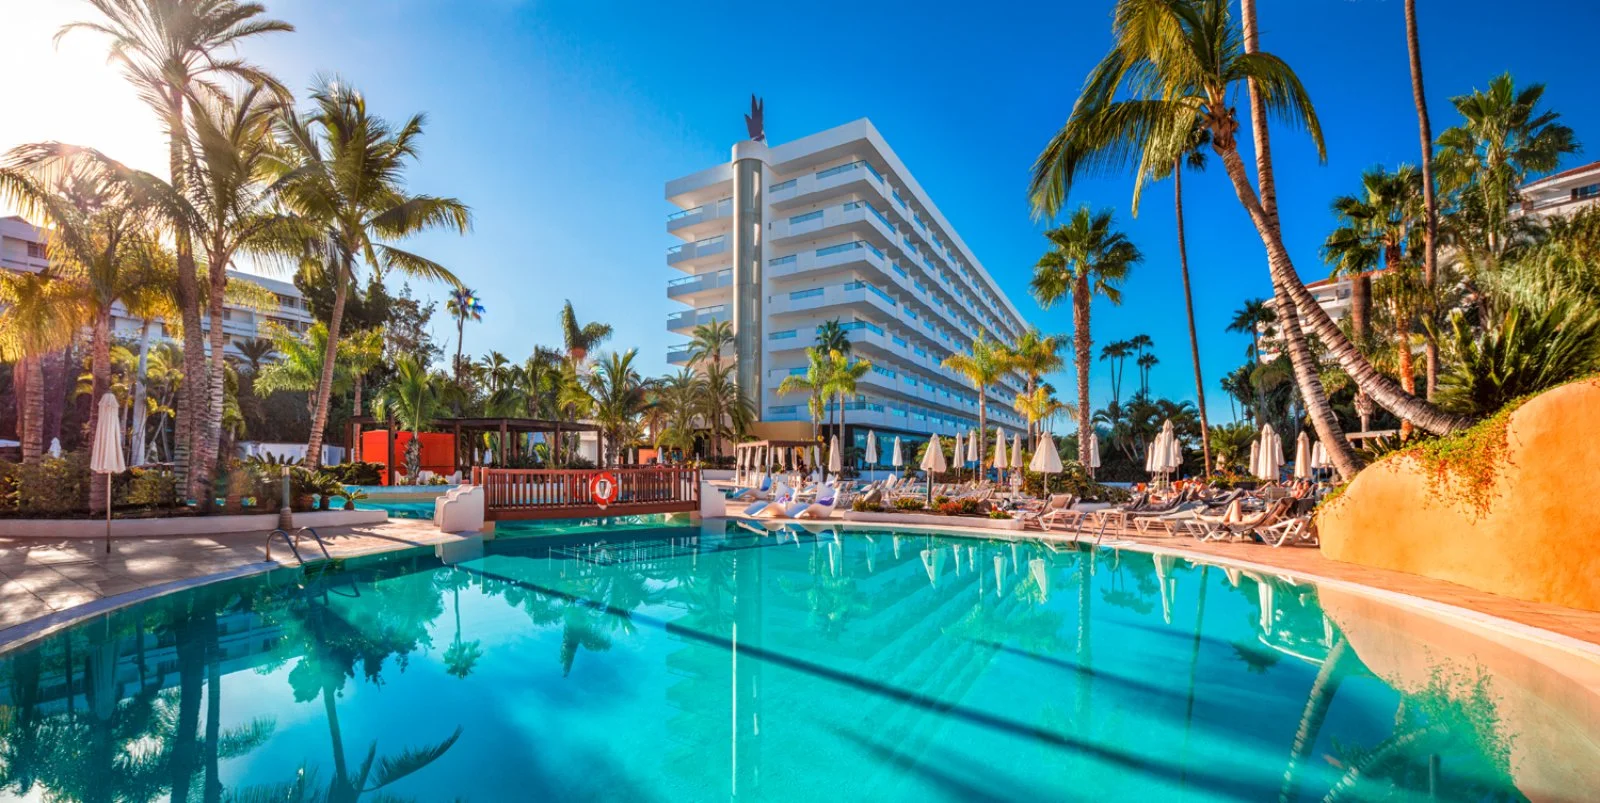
(708, 341)
(1524, 351)
(1180, 62)
(983, 365)
(1088, 258)
(1430, 198)
(1147, 363)
(725, 408)
(463, 305)
(412, 399)
(1116, 353)
(341, 170)
(1376, 228)
(619, 394)
(1035, 354)
(580, 339)
(39, 316)
(844, 372)
(831, 336)
(1039, 406)
(813, 383)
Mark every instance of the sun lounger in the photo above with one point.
(1208, 529)
(1296, 530)
(822, 508)
(752, 494)
(779, 503)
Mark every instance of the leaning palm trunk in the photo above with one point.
(1188, 303)
(1263, 213)
(1318, 701)
(319, 410)
(140, 409)
(1080, 347)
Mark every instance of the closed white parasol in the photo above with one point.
(107, 456)
(933, 462)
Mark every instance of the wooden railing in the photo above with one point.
(514, 493)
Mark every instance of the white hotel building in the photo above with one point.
(833, 226)
(22, 248)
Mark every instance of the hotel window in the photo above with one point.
(38, 251)
(1583, 193)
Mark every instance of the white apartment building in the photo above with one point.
(22, 248)
(833, 226)
(1561, 193)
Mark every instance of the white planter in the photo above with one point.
(184, 526)
(934, 520)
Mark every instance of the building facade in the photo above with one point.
(23, 248)
(832, 226)
(1561, 193)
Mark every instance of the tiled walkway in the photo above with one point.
(42, 577)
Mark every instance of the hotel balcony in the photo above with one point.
(698, 254)
(700, 288)
(861, 218)
(701, 221)
(859, 176)
(689, 319)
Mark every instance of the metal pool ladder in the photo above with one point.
(293, 542)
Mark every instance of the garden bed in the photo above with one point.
(183, 525)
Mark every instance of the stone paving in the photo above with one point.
(43, 578)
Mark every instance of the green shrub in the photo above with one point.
(997, 515)
(54, 485)
(908, 504)
(865, 506)
(152, 488)
(357, 473)
(1522, 352)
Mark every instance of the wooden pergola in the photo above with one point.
(505, 427)
(759, 455)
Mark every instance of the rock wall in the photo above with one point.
(1538, 537)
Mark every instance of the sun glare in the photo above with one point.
(68, 92)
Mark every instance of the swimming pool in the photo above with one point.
(655, 662)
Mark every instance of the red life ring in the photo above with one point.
(603, 488)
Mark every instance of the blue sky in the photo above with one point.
(559, 122)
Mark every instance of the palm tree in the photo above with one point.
(256, 351)
(1038, 406)
(463, 306)
(172, 53)
(1504, 139)
(983, 365)
(359, 353)
(38, 318)
(342, 172)
(1180, 62)
(844, 372)
(580, 339)
(725, 407)
(619, 394)
(708, 341)
(1087, 258)
(1190, 153)
(813, 383)
(1116, 352)
(412, 399)
(1430, 201)
(1035, 355)
(1146, 362)
(1255, 317)
(831, 336)
(1405, 296)
(1375, 228)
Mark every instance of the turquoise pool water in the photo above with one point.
(651, 662)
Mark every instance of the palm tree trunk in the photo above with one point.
(1430, 201)
(1265, 215)
(1263, 212)
(32, 409)
(189, 413)
(1318, 701)
(319, 414)
(1188, 303)
(461, 335)
(140, 413)
(100, 374)
(1360, 307)
(355, 445)
(207, 440)
(1408, 371)
(1080, 346)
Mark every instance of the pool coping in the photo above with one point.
(28, 632)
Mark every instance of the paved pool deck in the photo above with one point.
(46, 584)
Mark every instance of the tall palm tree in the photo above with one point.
(463, 305)
(39, 317)
(1038, 406)
(983, 365)
(1188, 152)
(412, 399)
(342, 172)
(581, 339)
(1430, 200)
(1035, 354)
(1116, 353)
(831, 336)
(174, 53)
(256, 351)
(1088, 257)
(1375, 228)
(844, 372)
(813, 383)
(360, 352)
(1255, 318)
(725, 407)
(298, 368)
(708, 341)
(1146, 363)
(1179, 63)
(1505, 138)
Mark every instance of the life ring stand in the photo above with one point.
(603, 488)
